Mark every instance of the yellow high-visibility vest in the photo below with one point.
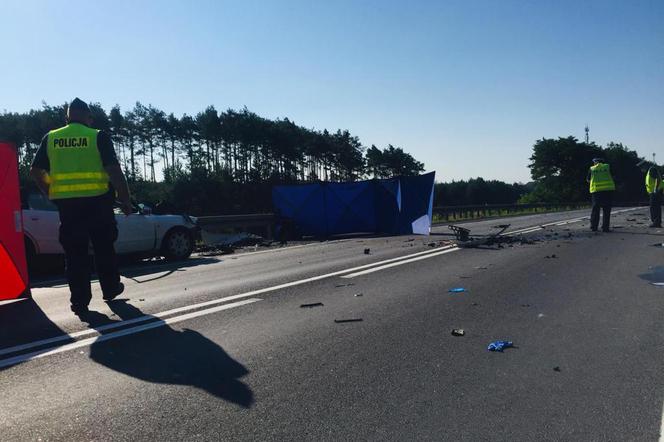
(652, 184)
(76, 167)
(601, 179)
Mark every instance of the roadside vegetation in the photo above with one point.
(227, 162)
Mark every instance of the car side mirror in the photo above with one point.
(144, 210)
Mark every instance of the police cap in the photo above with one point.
(78, 105)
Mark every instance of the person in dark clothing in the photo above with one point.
(602, 187)
(654, 189)
(76, 167)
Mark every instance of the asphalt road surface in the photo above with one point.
(220, 348)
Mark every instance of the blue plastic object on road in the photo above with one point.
(500, 345)
(457, 290)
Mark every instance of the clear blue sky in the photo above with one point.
(466, 87)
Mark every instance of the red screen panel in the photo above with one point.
(13, 268)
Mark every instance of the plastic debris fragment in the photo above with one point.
(500, 345)
(457, 290)
(339, 321)
(367, 251)
(458, 332)
(314, 304)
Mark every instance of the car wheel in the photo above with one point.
(178, 244)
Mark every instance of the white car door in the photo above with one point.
(136, 233)
(41, 223)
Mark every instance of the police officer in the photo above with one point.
(654, 189)
(601, 190)
(77, 168)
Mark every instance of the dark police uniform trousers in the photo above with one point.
(84, 221)
(656, 208)
(602, 200)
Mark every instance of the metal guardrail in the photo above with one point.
(488, 210)
(264, 222)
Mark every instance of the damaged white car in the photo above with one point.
(141, 233)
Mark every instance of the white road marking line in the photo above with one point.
(661, 426)
(286, 248)
(516, 232)
(73, 336)
(394, 264)
(521, 232)
(85, 342)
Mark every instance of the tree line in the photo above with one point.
(478, 191)
(559, 168)
(227, 162)
(232, 146)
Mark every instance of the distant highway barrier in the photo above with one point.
(452, 213)
(260, 223)
(263, 223)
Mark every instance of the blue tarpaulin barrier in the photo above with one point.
(401, 205)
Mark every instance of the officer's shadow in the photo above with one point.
(167, 356)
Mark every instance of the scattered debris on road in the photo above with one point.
(556, 368)
(551, 256)
(500, 345)
(215, 250)
(457, 290)
(367, 251)
(458, 332)
(344, 285)
(357, 295)
(463, 235)
(540, 315)
(313, 304)
(460, 233)
(340, 321)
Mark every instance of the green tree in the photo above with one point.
(559, 168)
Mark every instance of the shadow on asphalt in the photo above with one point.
(167, 356)
(24, 321)
(631, 232)
(133, 271)
(655, 274)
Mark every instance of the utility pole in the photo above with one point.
(587, 134)
(653, 159)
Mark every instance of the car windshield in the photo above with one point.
(38, 201)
